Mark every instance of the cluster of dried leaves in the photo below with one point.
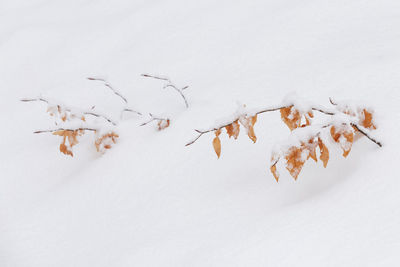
(313, 146)
(342, 134)
(233, 129)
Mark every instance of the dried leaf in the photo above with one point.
(71, 136)
(311, 147)
(366, 120)
(324, 156)
(291, 117)
(217, 143)
(248, 124)
(233, 129)
(250, 132)
(162, 124)
(275, 172)
(295, 160)
(344, 137)
(105, 141)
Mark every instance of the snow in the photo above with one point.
(151, 201)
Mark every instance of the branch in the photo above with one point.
(153, 118)
(363, 131)
(40, 99)
(131, 110)
(269, 109)
(110, 87)
(34, 99)
(170, 84)
(63, 129)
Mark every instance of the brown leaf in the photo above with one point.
(367, 120)
(324, 156)
(294, 161)
(234, 129)
(162, 124)
(105, 141)
(311, 146)
(274, 172)
(250, 132)
(347, 134)
(291, 117)
(217, 143)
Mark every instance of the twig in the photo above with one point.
(364, 132)
(153, 118)
(34, 99)
(108, 85)
(63, 129)
(170, 84)
(270, 109)
(100, 116)
(40, 99)
(131, 110)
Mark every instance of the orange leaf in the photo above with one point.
(217, 143)
(250, 132)
(275, 172)
(291, 117)
(311, 146)
(367, 120)
(344, 137)
(324, 152)
(233, 129)
(294, 161)
(105, 141)
(162, 124)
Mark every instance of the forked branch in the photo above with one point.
(169, 83)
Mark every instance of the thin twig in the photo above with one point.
(40, 99)
(364, 132)
(170, 84)
(100, 116)
(34, 99)
(270, 109)
(131, 110)
(108, 85)
(63, 129)
(153, 118)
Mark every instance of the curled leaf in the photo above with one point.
(162, 124)
(71, 136)
(105, 141)
(324, 156)
(233, 129)
(343, 136)
(274, 172)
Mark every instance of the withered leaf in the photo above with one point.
(324, 156)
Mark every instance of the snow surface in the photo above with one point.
(151, 201)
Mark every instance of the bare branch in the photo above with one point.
(34, 99)
(153, 118)
(363, 131)
(63, 129)
(170, 84)
(108, 85)
(40, 99)
(131, 110)
(100, 116)
(270, 109)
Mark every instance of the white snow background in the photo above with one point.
(151, 201)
